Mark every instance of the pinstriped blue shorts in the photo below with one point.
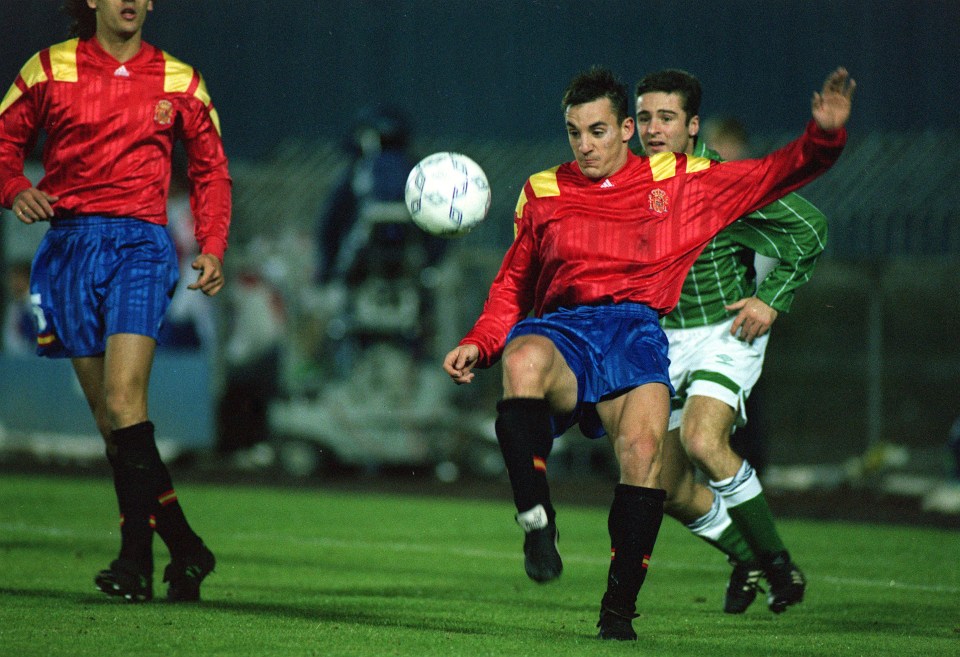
(95, 276)
(610, 349)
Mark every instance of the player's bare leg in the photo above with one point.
(116, 389)
(705, 514)
(705, 432)
(636, 423)
(536, 381)
(686, 499)
(116, 395)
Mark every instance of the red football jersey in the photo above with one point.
(631, 237)
(110, 130)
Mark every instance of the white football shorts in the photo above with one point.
(708, 361)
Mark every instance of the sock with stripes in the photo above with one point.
(749, 511)
(718, 529)
(525, 433)
(634, 522)
(149, 486)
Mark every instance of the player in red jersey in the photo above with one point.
(112, 107)
(602, 247)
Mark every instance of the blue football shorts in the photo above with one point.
(611, 350)
(96, 276)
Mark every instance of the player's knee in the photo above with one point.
(527, 362)
(701, 443)
(639, 456)
(123, 407)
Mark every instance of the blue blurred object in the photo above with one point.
(41, 397)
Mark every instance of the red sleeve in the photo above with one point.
(511, 293)
(733, 189)
(210, 183)
(18, 134)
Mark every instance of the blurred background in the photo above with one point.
(323, 355)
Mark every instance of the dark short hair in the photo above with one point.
(674, 81)
(598, 82)
(84, 18)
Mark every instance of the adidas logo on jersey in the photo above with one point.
(606, 184)
(121, 72)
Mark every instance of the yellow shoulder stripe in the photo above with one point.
(518, 211)
(63, 61)
(13, 94)
(32, 72)
(201, 92)
(545, 183)
(177, 75)
(216, 119)
(697, 163)
(663, 165)
(203, 96)
(178, 78)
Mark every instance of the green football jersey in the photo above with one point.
(790, 230)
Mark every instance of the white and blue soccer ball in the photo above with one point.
(447, 194)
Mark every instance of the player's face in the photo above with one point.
(598, 141)
(120, 17)
(663, 124)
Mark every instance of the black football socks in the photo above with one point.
(525, 433)
(634, 522)
(147, 497)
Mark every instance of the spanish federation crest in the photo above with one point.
(163, 112)
(658, 201)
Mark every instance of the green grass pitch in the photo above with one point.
(314, 572)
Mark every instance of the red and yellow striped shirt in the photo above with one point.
(110, 131)
(633, 236)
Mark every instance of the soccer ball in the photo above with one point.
(447, 194)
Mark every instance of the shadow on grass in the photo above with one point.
(431, 596)
(347, 612)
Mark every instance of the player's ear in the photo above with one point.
(627, 128)
(693, 127)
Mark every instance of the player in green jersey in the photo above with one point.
(718, 335)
